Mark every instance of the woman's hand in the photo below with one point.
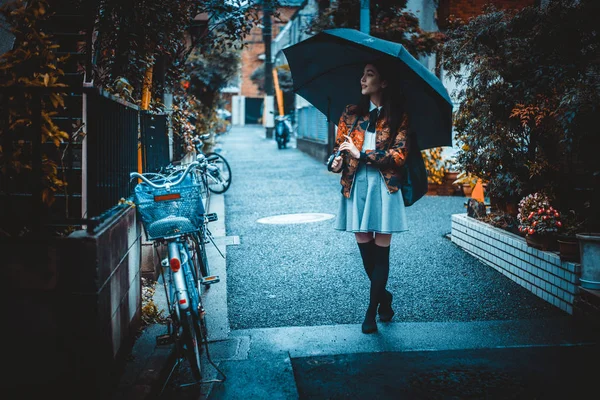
(336, 165)
(350, 147)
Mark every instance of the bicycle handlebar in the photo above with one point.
(167, 184)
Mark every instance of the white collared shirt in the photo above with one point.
(369, 143)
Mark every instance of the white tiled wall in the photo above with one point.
(541, 272)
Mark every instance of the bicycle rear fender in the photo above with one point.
(175, 262)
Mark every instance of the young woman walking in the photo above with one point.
(373, 139)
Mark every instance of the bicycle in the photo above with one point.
(218, 181)
(173, 216)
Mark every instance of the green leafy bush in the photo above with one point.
(529, 101)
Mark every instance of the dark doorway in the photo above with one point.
(254, 108)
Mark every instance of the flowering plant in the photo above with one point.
(537, 216)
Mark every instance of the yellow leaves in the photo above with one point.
(435, 165)
(128, 202)
(6, 65)
(47, 80)
(19, 123)
(48, 196)
(530, 115)
(46, 133)
(40, 10)
(466, 178)
(52, 133)
(57, 100)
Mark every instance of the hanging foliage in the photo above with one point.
(389, 20)
(133, 35)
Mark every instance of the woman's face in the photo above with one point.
(370, 82)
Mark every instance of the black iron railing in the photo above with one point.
(111, 151)
(26, 160)
(95, 161)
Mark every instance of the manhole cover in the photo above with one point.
(301, 218)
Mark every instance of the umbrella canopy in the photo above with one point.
(326, 70)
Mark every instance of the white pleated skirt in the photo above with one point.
(371, 208)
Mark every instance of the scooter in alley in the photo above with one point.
(283, 130)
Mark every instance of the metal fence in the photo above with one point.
(111, 151)
(95, 162)
(154, 140)
(312, 125)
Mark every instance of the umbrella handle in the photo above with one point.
(331, 158)
(338, 152)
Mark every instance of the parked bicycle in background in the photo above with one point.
(218, 180)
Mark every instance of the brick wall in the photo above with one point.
(465, 9)
(255, 47)
(541, 272)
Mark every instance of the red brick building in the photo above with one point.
(253, 53)
(465, 9)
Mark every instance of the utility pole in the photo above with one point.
(268, 108)
(364, 16)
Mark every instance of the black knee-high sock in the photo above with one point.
(380, 274)
(367, 251)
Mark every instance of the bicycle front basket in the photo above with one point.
(168, 212)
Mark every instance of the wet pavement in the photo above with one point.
(286, 315)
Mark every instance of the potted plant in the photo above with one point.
(568, 244)
(539, 221)
(467, 181)
(589, 247)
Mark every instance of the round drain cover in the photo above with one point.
(301, 218)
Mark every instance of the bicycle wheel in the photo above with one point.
(223, 177)
(201, 258)
(204, 191)
(192, 341)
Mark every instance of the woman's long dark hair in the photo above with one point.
(391, 100)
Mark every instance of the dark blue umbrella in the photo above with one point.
(326, 70)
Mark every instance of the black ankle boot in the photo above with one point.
(369, 325)
(379, 280)
(386, 313)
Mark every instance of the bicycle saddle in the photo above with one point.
(170, 226)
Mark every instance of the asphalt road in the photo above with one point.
(310, 274)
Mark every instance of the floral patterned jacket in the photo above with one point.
(389, 155)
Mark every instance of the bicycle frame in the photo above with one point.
(181, 274)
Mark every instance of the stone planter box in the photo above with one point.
(541, 272)
(73, 308)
